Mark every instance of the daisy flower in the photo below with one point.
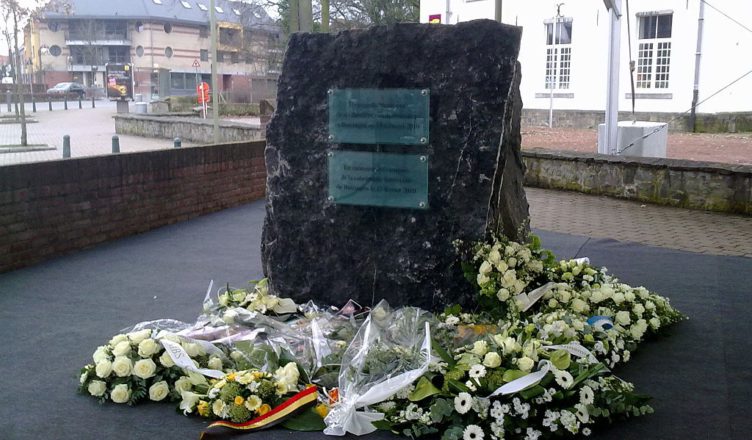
(463, 402)
(477, 371)
(473, 432)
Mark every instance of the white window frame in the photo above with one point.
(653, 71)
(558, 66)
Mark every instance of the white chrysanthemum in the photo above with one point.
(532, 434)
(473, 432)
(586, 395)
(471, 385)
(496, 411)
(586, 431)
(463, 402)
(582, 413)
(564, 379)
(477, 371)
(452, 320)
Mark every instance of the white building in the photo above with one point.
(663, 47)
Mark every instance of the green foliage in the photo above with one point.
(305, 420)
(423, 389)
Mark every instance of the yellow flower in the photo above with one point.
(239, 400)
(263, 409)
(203, 408)
(230, 377)
(322, 410)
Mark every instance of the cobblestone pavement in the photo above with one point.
(732, 148)
(624, 220)
(90, 130)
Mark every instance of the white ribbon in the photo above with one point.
(345, 416)
(182, 360)
(583, 260)
(526, 300)
(524, 381)
(575, 349)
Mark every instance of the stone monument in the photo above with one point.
(386, 146)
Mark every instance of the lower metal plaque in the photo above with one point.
(378, 179)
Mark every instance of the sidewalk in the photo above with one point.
(90, 131)
(674, 228)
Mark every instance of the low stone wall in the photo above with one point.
(679, 122)
(50, 208)
(673, 182)
(192, 129)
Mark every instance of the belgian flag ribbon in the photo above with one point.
(289, 407)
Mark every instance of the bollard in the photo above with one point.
(92, 101)
(79, 103)
(115, 144)
(49, 102)
(65, 97)
(66, 146)
(177, 143)
(33, 103)
(8, 97)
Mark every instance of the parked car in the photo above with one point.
(67, 87)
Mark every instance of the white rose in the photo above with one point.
(519, 286)
(564, 296)
(122, 348)
(159, 391)
(191, 348)
(97, 388)
(100, 354)
(525, 364)
(623, 318)
(579, 306)
(501, 266)
(510, 345)
(166, 360)
(223, 299)
(183, 384)
(597, 296)
(618, 297)
(503, 294)
(137, 337)
(482, 279)
(492, 360)
(494, 256)
(512, 262)
(650, 305)
(485, 268)
(103, 368)
(480, 348)
(452, 320)
(215, 363)
(576, 270)
(638, 309)
(230, 316)
(117, 339)
(509, 277)
(148, 347)
(144, 368)
(629, 296)
(655, 323)
(287, 375)
(121, 393)
(122, 366)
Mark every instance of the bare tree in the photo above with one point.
(13, 17)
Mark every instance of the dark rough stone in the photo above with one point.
(314, 249)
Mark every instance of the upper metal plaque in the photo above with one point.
(379, 116)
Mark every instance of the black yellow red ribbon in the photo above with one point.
(281, 412)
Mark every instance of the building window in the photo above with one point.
(234, 58)
(203, 32)
(185, 4)
(168, 52)
(202, 7)
(558, 53)
(55, 50)
(654, 50)
(204, 55)
(167, 28)
(118, 54)
(139, 26)
(53, 26)
(140, 51)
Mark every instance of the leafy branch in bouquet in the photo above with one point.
(256, 298)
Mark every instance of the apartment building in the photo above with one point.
(564, 51)
(167, 41)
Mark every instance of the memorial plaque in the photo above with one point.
(379, 116)
(378, 179)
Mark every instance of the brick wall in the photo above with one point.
(55, 207)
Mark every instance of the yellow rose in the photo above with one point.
(322, 410)
(159, 391)
(203, 408)
(144, 368)
(239, 400)
(120, 394)
(122, 366)
(263, 409)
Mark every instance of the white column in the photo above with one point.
(612, 78)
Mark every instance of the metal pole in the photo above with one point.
(698, 55)
(49, 102)
(8, 99)
(66, 146)
(115, 144)
(80, 106)
(294, 21)
(612, 80)
(499, 4)
(324, 17)
(177, 143)
(448, 13)
(214, 86)
(65, 98)
(552, 78)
